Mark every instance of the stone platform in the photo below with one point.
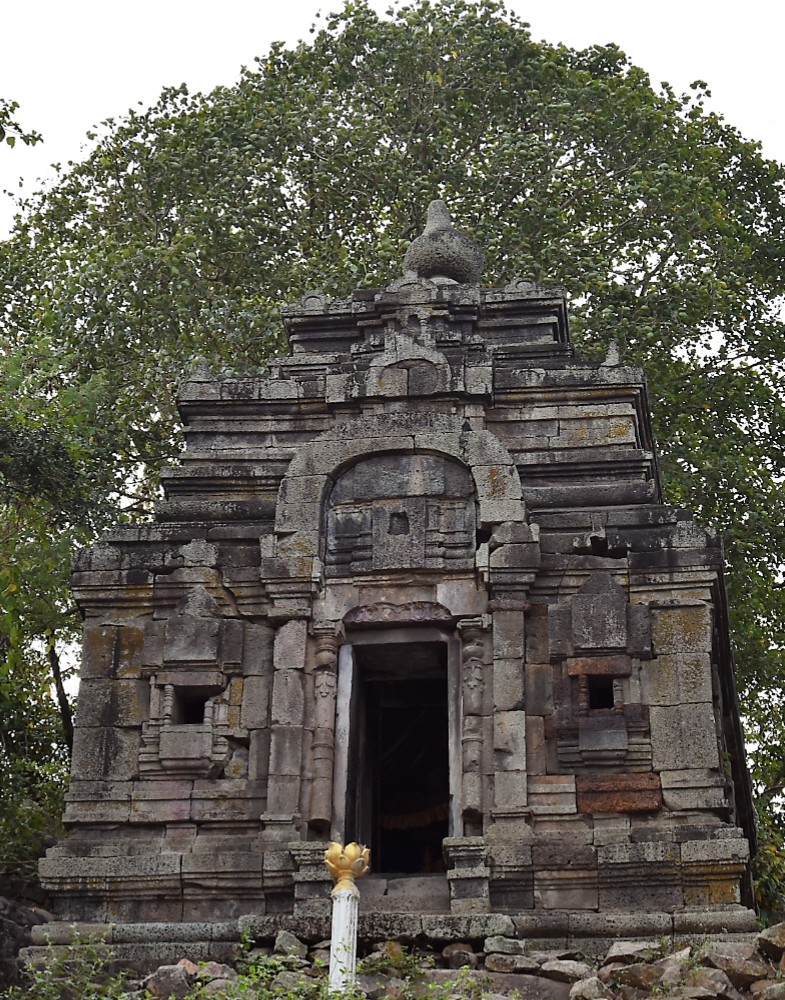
(145, 946)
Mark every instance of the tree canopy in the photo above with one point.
(10, 129)
(178, 239)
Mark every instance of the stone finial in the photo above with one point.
(442, 251)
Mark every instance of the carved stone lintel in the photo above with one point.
(382, 611)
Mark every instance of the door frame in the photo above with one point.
(348, 720)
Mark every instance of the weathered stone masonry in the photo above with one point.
(433, 518)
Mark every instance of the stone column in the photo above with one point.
(473, 634)
(323, 746)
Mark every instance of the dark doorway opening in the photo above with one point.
(402, 752)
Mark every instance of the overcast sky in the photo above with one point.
(72, 63)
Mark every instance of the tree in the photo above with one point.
(191, 223)
(11, 130)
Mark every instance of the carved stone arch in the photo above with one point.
(314, 469)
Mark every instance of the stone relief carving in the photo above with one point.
(414, 611)
(401, 512)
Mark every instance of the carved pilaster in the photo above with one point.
(323, 746)
(473, 633)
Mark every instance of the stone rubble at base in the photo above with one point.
(735, 967)
(433, 470)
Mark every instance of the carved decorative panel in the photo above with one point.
(401, 512)
(381, 611)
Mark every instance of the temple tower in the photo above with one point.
(417, 587)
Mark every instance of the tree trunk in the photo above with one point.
(62, 698)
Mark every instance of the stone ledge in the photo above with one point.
(59, 932)
(141, 957)
(529, 925)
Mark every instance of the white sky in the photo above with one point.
(72, 63)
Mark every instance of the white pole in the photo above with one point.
(343, 940)
(344, 864)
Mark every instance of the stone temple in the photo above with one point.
(416, 588)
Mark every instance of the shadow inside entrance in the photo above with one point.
(405, 777)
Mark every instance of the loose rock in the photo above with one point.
(590, 989)
(216, 987)
(392, 950)
(216, 970)
(505, 946)
(774, 991)
(320, 958)
(608, 973)
(736, 960)
(287, 980)
(462, 960)
(771, 942)
(690, 993)
(674, 967)
(287, 944)
(451, 949)
(713, 980)
(640, 976)
(376, 987)
(511, 963)
(168, 981)
(632, 951)
(566, 971)
(633, 993)
(293, 963)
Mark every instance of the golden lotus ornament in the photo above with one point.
(346, 863)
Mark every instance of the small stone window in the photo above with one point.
(189, 708)
(600, 693)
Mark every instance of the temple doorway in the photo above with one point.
(400, 755)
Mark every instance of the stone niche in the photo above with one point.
(416, 587)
